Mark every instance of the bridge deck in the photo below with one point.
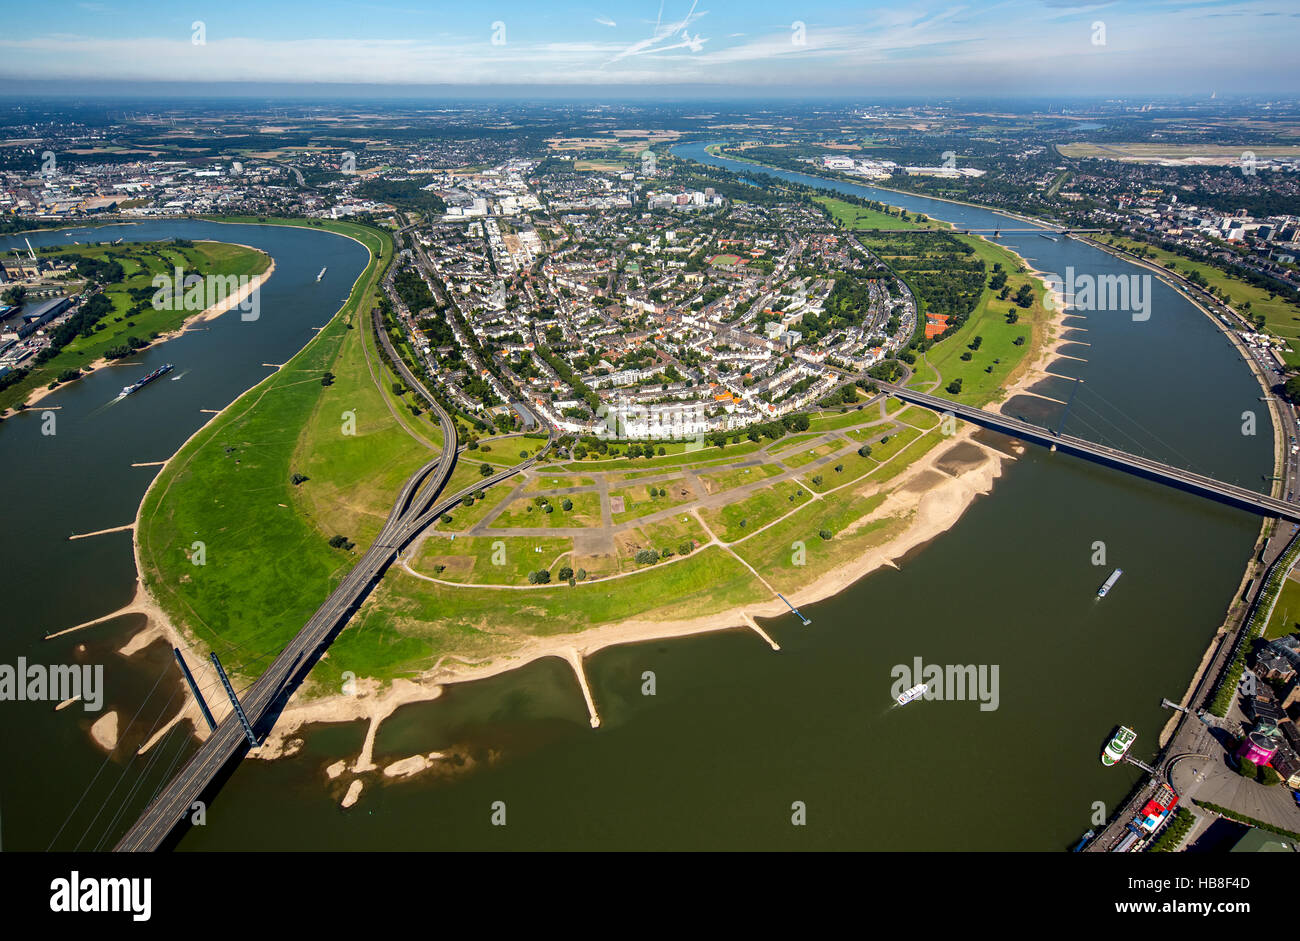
(1231, 494)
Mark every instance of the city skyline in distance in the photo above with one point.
(657, 48)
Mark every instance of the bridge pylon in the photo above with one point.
(194, 688)
(234, 701)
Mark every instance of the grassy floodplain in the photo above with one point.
(268, 562)
(141, 262)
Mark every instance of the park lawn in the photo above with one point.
(832, 421)
(789, 441)
(923, 376)
(468, 473)
(423, 426)
(919, 417)
(523, 511)
(140, 262)
(490, 560)
(882, 451)
(740, 519)
(638, 502)
(268, 565)
(663, 534)
(989, 321)
(901, 460)
(1286, 614)
(548, 481)
(409, 623)
(464, 517)
(709, 453)
(874, 432)
(775, 552)
(352, 477)
(861, 218)
(854, 467)
(801, 456)
(1281, 317)
(719, 481)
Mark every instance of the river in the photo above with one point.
(736, 733)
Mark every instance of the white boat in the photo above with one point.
(916, 692)
(321, 275)
(1110, 583)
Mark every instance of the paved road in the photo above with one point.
(415, 507)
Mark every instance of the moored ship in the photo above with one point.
(1118, 746)
(145, 380)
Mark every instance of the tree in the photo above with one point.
(566, 573)
(824, 533)
(864, 451)
(327, 379)
(485, 470)
(647, 557)
(1292, 388)
(954, 387)
(540, 577)
(566, 504)
(299, 478)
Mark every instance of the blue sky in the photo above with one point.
(902, 47)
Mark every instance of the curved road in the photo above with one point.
(413, 509)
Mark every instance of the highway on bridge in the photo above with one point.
(1231, 494)
(415, 507)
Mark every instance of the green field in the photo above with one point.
(528, 512)
(989, 320)
(737, 520)
(268, 564)
(862, 218)
(1286, 614)
(491, 560)
(140, 262)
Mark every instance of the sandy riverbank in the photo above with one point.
(210, 313)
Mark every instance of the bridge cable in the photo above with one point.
(1191, 465)
(125, 768)
(144, 774)
(107, 757)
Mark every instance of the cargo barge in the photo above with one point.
(145, 380)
